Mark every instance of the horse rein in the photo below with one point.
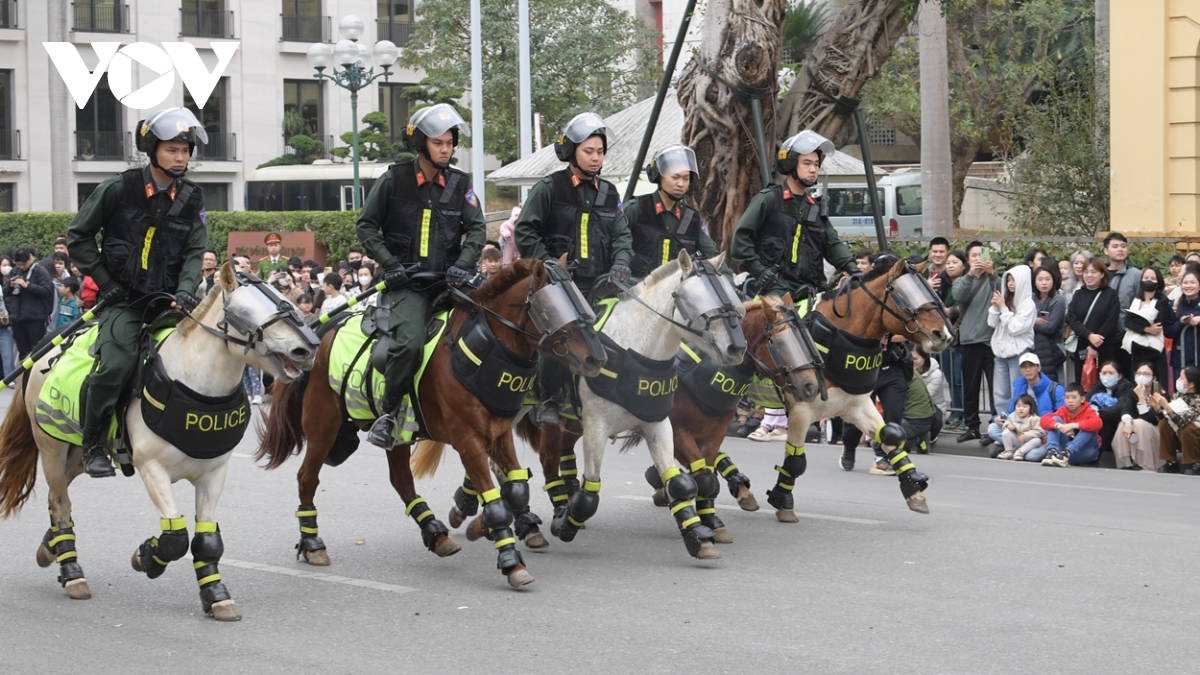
(845, 289)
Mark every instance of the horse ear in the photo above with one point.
(227, 277)
(922, 266)
(898, 268)
(685, 262)
(767, 308)
(787, 298)
(562, 260)
(719, 260)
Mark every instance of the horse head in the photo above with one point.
(706, 306)
(784, 351)
(911, 308)
(267, 325)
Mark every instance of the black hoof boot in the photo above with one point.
(781, 498)
(734, 478)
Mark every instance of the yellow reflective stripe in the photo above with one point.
(208, 579)
(425, 216)
(146, 248)
(796, 244)
(470, 355)
(796, 450)
(697, 465)
(60, 538)
(491, 495)
(689, 522)
(591, 485)
(57, 340)
(168, 524)
(566, 458)
(352, 302)
(670, 473)
(603, 371)
(202, 527)
(381, 286)
(688, 350)
(905, 469)
(569, 472)
(87, 316)
(468, 491)
(553, 484)
(680, 506)
(152, 401)
(67, 556)
(821, 348)
(706, 512)
(583, 236)
(505, 542)
(666, 252)
(783, 471)
(785, 486)
(413, 504)
(198, 564)
(520, 474)
(423, 516)
(305, 514)
(896, 460)
(160, 561)
(308, 530)
(27, 364)
(559, 498)
(576, 523)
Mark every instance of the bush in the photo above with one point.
(1008, 251)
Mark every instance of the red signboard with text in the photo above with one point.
(302, 244)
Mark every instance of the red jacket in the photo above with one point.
(1086, 417)
(88, 292)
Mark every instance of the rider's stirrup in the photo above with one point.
(380, 434)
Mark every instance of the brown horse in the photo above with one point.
(451, 413)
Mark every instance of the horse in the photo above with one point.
(782, 353)
(241, 322)
(896, 301)
(648, 324)
(528, 292)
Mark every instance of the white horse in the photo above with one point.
(654, 330)
(240, 322)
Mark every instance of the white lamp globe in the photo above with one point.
(385, 53)
(345, 53)
(351, 27)
(320, 55)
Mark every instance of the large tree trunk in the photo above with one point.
(848, 54)
(741, 45)
(936, 187)
(964, 157)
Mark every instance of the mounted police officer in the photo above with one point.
(421, 213)
(575, 212)
(152, 241)
(662, 223)
(785, 235)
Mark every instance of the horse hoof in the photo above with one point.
(319, 558)
(660, 497)
(225, 610)
(746, 499)
(135, 561)
(917, 503)
(77, 589)
(475, 529)
(708, 552)
(456, 517)
(44, 557)
(786, 516)
(536, 540)
(721, 536)
(446, 547)
(520, 577)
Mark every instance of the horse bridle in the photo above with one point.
(728, 312)
(890, 294)
(791, 319)
(285, 311)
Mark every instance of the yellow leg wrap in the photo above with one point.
(796, 450)
(520, 474)
(689, 522)
(202, 527)
(306, 514)
(697, 465)
(510, 541)
(412, 505)
(676, 508)
(168, 524)
(670, 473)
(491, 495)
(591, 485)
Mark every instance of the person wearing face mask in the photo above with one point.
(1135, 445)
(784, 237)
(1145, 321)
(1177, 428)
(1185, 329)
(663, 223)
(1112, 398)
(366, 278)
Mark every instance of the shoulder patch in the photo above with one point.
(472, 199)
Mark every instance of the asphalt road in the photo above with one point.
(1019, 569)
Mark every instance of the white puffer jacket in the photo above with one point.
(939, 389)
(1013, 334)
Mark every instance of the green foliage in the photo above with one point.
(1010, 250)
(580, 59)
(806, 21)
(293, 122)
(307, 149)
(373, 141)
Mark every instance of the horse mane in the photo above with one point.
(877, 272)
(186, 327)
(660, 273)
(503, 280)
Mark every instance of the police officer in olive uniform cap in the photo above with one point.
(661, 222)
(274, 260)
(575, 212)
(421, 212)
(152, 241)
(785, 236)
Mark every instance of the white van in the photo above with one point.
(900, 195)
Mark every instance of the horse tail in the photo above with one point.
(632, 439)
(18, 457)
(282, 433)
(426, 458)
(529, 432)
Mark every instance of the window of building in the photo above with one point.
(393, 20)
(395, 107)
(8, 198)
(10, 147)
(100, 16)
(204, 18)
(100, 126)
(303, 97)
(302, 21)
(214, 117)
(216, 196)
(85, 190)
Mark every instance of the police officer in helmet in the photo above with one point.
(785, 235)
(662, 223)
(575, 212)
(152, 240)
(423, 214)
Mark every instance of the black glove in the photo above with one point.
(767, 279)
(186, 301)
(394, 275)
(456, 275)
(620, 272)
(113, 291)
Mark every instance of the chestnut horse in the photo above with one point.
(450, 412)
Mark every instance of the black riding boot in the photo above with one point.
(380, 434)
(96, 458)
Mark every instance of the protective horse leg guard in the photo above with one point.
(430, 526)
(498, 519)
(731, 474)
(655, 481)
(60, 541)
(309, 541)
(557, 490)
(681, 489)
(708, 486)
(157, 552)
(207, 549)
(911, 480)
(516, 494)
(568, 470)
(794, 465)
(466, 498)
(583, 505)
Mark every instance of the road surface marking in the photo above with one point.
(813, 516)
(1068, 485)
(315, 576)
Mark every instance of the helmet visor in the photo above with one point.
(176, 124)
(585, 126)
(676, 159)
(437, 120)
(808, 141)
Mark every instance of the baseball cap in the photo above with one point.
(1030, 357)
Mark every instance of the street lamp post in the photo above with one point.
(356, 73)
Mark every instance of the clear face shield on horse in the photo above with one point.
(707, 297)
(255, 306)
(912, 295)
(558, 305)
(793, 352)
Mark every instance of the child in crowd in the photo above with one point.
(1071, 431)
(1023, 433)
(68, 302)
